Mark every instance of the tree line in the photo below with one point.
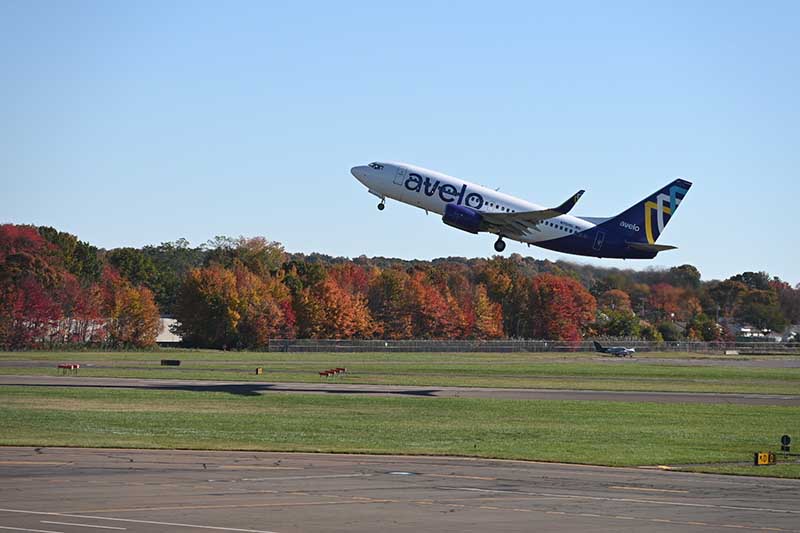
(237, 293)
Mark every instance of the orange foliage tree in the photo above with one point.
(488, 323)
(615, 300)
(559, 308)
(225, 308)
(327, 311)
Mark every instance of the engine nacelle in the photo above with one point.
(462, 217)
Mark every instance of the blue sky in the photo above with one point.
(133, 123)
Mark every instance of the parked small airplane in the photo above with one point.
(469, 207)
(616, 351)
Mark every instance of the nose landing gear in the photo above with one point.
(382, 205)
(499, 244)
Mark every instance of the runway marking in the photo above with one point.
(622, 517)
(627, 500)
(81, 525)
(286, 478)
(131, 520)
(372, 500)
(48, 463)
(34, 530)
(243, 467)
(647, 489)
(220, 506)
(463, 477)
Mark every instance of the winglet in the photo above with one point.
(569, 204)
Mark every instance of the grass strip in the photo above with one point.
(603, 433)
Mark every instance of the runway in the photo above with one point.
(71, 490)
(259, 387)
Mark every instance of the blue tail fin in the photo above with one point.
(645, 221)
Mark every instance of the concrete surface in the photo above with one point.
(92, 490)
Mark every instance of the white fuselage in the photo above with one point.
(432, 191)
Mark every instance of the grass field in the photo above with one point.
(675, 372)
(606, 433)
(715, 438)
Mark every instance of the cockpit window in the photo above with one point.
(376, 166)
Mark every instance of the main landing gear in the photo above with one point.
(499, 244)
(382, 205)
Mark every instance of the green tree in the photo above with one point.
(686, 276)
(726, 294)
(760, 308)
(648, 332)
(79, 258)
(703, 327)
(754, 280)
(172, 262)
(258, 254)
(134, 265)
(620, 323)
(669, 331)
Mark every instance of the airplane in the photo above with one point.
(616, 351)
(473, 208)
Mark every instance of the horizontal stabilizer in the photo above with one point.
(645, 247)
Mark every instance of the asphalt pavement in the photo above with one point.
(63, 490)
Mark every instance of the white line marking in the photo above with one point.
(626, 500)
(131, 520)
(284, 478)
(82, 525)
(646, 489)
(34, 530)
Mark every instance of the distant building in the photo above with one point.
(758, 334)
(165, 335)
(792, 334)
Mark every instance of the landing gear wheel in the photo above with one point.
(381, 206)
(499, 245)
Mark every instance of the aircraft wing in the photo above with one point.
(511, 224)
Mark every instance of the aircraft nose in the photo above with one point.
(358, 172)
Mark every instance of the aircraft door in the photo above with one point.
(598, 240)
(400, 177)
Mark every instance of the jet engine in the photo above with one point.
(463, 218)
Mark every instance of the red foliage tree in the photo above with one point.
(29, 277)
(559, 308)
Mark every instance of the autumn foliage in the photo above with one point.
(241, 293)
(560, 308)
(50, 295)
